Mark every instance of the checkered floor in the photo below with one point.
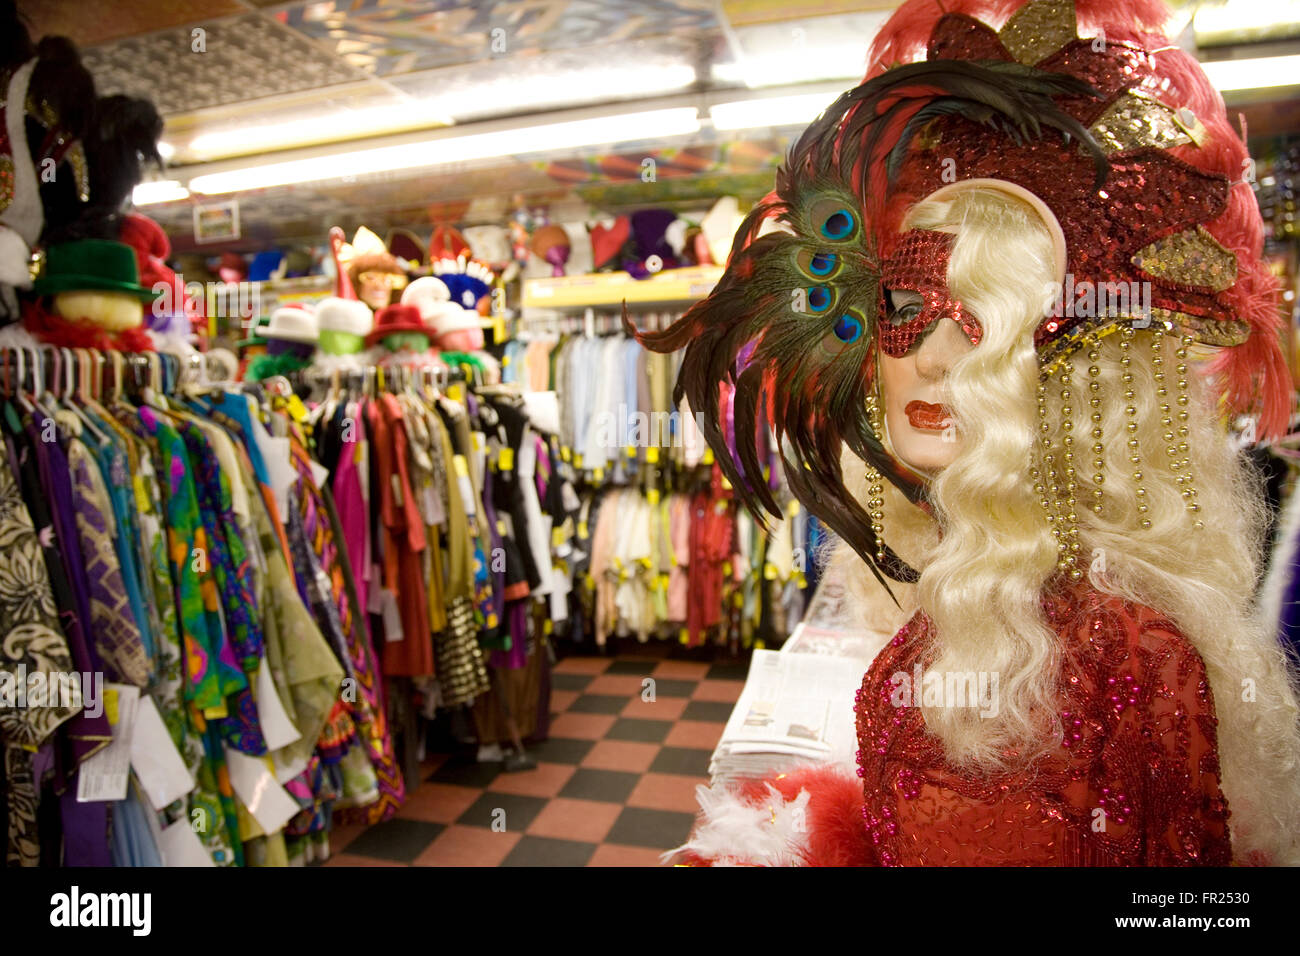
(614, 786)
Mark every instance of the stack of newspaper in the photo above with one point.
(797, 704)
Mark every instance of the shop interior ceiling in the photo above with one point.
(242, 82)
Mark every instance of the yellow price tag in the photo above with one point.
(557, 537)
(801, 580)
(110, 705)
(499, 329)
(794, 507)
(501, 527)
(652, 496)
(577, 461)
(759, 644)
(726, 569)
(505, 360)
(588, 580)
(631, 451)
(708, 456)
(454, 392)
(583, 531)
(492, 620)
(738, 599)
(460, 465)
(506, 460)
(674, 560)
(565, 454)
(547, 626)
(726, 485)
(662, 581)
(652, 454)
(598, 474)
(769, 571)
(684, 636)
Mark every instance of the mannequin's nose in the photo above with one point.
(940, 349)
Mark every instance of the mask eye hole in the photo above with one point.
(904, 307)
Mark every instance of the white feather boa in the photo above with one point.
(734, 832)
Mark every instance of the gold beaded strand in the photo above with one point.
(1131, 425)
(1185, 462)
(1069, 520)
(876, 485)
(1098, 449)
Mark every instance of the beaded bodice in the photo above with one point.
(1133, 781)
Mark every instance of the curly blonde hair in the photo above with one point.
(985, 572)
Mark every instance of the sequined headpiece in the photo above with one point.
(1113, 134)
(1170, 212)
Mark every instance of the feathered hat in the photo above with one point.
(1085, 110)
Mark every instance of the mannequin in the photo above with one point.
(1092, 543)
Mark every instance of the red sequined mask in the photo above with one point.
(920, 264)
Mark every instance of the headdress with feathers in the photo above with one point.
(1125, 142)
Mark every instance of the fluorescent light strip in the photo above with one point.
(455, 149)
(798, 110)
(1256, 74)
(786, 68)
(166, 190)
(341, 124)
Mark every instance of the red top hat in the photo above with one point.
(392, 319)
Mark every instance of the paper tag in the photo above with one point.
(598, 474)
(684, 636)
(259, 791)
(179, 845)
(320, 473)
(738, 599)
(630, 451)
(557, 537)
(652, 454)
(454, 392)
(652, 496)
(105, 775)
(726, 485)
(565, 454)
(506, 460)
(277, 728)
(460, 466)
(769, 571)
(392, 618)
(157, 764)
(547, 626)
(708, 456)
(726, 569)
(583, 531)
(577, 461)
(794, 507)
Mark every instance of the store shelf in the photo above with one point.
(614, 288)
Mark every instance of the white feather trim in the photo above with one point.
(733, 832)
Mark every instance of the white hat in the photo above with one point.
(292, 323)
(424, 293)
(344, 315)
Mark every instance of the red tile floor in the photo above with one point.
(614, 785)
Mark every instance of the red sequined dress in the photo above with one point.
(1134, 781)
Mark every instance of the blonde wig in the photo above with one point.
(983, 577)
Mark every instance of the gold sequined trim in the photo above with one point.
(1220, 333)
(1193, 257)
(1039, 29)
(1134, 121)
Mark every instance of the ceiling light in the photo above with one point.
(163, 190)
(1238, 17)
(784, 67)
(797, 110)
(343, 124)
(166, 150)
(1254, 74)
(654, 124)
(511, 93)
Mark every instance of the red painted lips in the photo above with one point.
(927, 416)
